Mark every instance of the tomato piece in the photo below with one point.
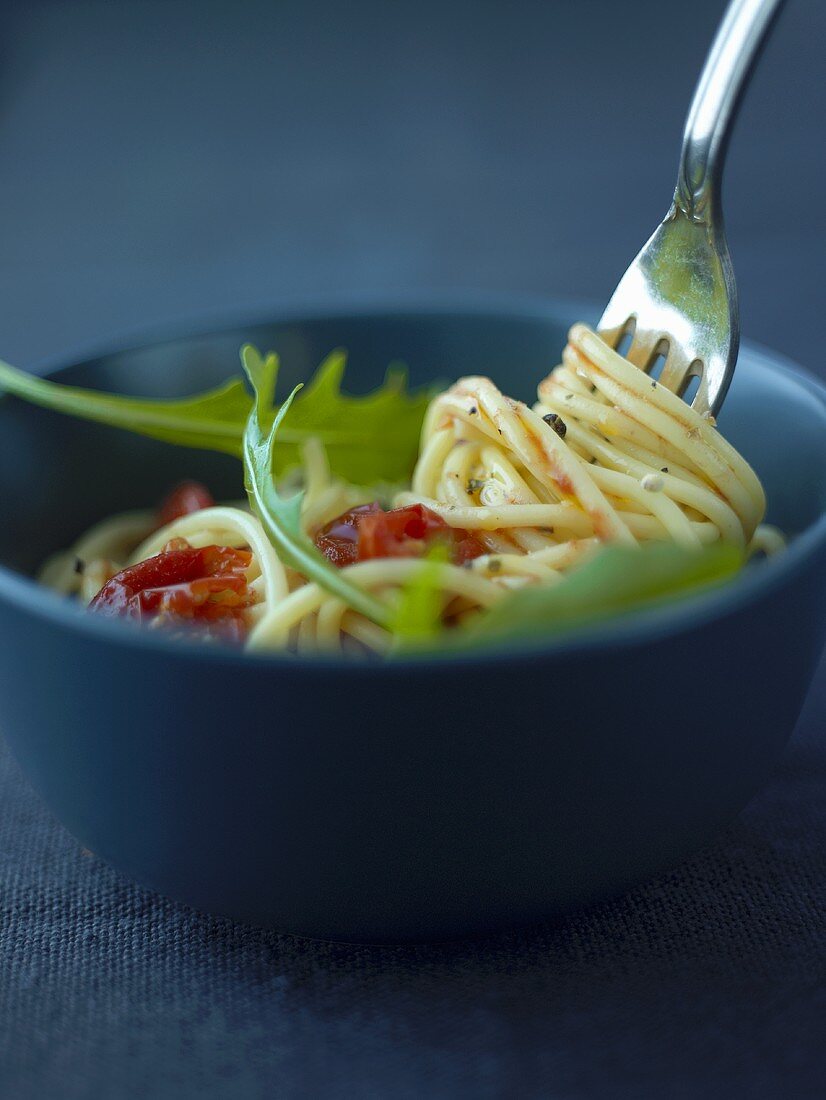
(467, 548)
(339, 540)
(401, 533)
(368, 532)
(183, 500)
(205, 587)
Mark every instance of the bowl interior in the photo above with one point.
(58, 475)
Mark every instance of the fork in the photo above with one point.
(678, 299)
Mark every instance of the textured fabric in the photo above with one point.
(709, 981)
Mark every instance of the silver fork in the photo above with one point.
(678, 299)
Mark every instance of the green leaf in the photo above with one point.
(617, 580)
(369, 438)
(281, 516)
(213, 420)
(418, 615)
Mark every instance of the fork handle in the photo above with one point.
(729, 64)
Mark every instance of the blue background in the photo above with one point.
(162, 162)
(163, 159)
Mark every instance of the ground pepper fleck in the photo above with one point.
(557, 423)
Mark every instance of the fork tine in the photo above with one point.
(644, 348)
(677, 370)
(613, 331)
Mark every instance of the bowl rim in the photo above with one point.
(638, 628)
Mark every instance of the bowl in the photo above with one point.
(407, 800)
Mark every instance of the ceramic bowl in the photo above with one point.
(399, 800)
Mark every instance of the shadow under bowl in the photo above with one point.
(397, 801)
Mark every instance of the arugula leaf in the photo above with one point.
(213, 420)
(417, 619)
(281, 516)
(369, 438)
(615, 581)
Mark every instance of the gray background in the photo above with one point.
(164, 160)
(173, 162)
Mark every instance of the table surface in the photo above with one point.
(166, 160)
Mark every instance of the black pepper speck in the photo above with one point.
(557, 423)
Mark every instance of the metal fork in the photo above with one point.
(678, 298)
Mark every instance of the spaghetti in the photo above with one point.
(606, 455)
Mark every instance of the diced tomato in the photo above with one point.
(402, 533)
(206, 588)
(186, 498)
(339, 540)
(369, 532)
(467, 548)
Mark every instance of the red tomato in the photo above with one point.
(339, 540)
(186, 498)
(402, 533)
(467, 548)
(369, 532)
(206, 588)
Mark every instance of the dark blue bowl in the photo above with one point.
(419, 800)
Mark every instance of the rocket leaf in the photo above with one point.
(617, 580)
(368, 438)
(281, 516)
